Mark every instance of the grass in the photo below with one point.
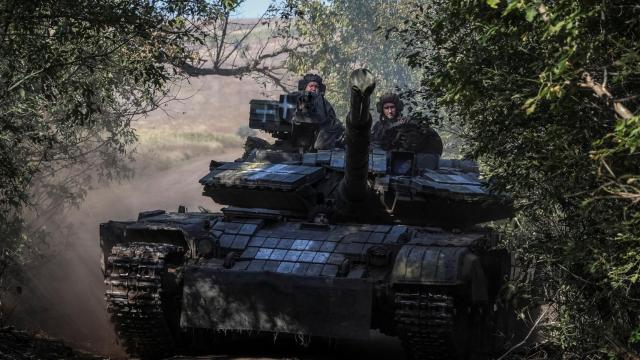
(161, 149)
(164, 137)
(260, 33)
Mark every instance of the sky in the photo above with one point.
(252, 8)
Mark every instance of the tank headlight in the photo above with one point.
(205, 247)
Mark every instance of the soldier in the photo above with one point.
(393, 131)
(390, 109)
(330, 130)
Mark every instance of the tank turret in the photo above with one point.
(358, 182)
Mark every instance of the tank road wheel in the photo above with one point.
(430, 326)
(143, 297)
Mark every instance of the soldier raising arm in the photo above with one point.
(330, 130)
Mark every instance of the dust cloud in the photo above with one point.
(63, 294)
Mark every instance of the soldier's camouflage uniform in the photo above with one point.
(330, 130)
(415, 136)
(382, 125)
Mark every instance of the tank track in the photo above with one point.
(134, 295)
(425, 323)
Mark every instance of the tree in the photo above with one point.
(226, 51)
(339, 36)
(343, 35)
(74, 75)
(547, 96)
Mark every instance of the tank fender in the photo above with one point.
(440, 266)
(117, 232)
(160, 234)
(111, 233)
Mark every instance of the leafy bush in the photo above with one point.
(546, 93)
(73, 75)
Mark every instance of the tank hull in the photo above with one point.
(277, 303)
(292, 277)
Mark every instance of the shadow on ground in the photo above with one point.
(377, 346)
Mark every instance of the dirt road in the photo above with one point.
(63, 294)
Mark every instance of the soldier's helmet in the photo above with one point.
(390, 98)
(302, 83)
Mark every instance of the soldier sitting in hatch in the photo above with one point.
(389, 107)
(330, 130)
(396, 132)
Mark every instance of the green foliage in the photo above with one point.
(73, 75)
(545, 94)
(344, 35)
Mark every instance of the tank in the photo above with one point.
(328, 244)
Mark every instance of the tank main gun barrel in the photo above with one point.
(353, 187)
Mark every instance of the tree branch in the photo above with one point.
(242, 40)
(219, 52)
(526, 338)
(601, 91)
(253, 66)
(192, 70)
(276, 80)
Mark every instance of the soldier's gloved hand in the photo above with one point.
(305, 102)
